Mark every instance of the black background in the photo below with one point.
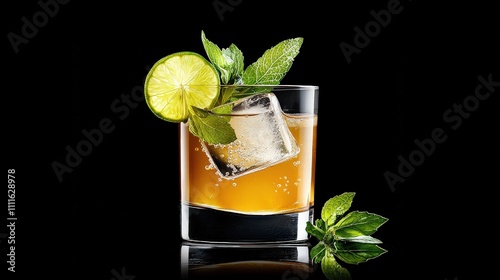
(118, 207)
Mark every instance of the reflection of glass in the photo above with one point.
(224, 261)
(260, 188)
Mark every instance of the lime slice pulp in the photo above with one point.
(179, 81)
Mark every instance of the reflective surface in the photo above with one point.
(277, 261)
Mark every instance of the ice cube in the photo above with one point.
(263, 138)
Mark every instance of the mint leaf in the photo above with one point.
(235, 59)
(320, 224)
(336, 206)
(332, 269)
(315, 230)
(229, 61)
(211, 128)
(233, 94)
(358, 223)
(355, 253)
(318, 252)
(272, 66)
(360, 239)
(224, 109)
(215, 56)
(344, 236)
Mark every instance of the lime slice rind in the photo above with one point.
(179, 81)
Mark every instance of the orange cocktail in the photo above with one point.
(285, 187)
(259, 187)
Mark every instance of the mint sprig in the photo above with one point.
(213, 128)
(272, 66)
(228, 62)
(345, 236)
(269, 69)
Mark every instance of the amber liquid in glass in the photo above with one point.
(272, 204)
(282, 188)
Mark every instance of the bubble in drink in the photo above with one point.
(263, 138)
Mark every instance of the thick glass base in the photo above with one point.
(210, 225)
(242, 261)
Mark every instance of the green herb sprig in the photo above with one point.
(345, 236)
(269, 69)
